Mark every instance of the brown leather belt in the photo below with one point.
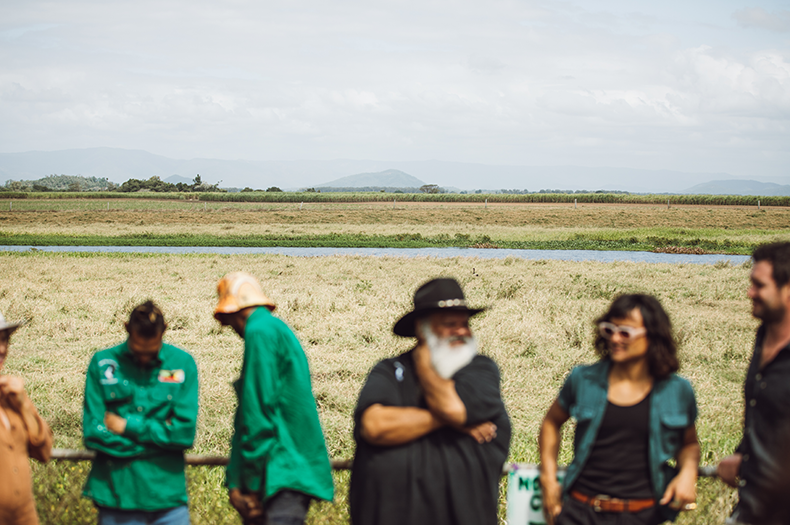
(603, 503)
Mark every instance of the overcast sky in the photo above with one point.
(683, 85)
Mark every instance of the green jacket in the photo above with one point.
(142, 469)
(277, 440)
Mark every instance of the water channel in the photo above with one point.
(559, 255)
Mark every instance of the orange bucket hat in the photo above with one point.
(237, 291)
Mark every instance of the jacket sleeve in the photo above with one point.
(39, 446)
(256, 428)
(95, 435)
(178, 431)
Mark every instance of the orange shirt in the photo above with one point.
(16, 445)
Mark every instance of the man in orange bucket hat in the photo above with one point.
(278, 459)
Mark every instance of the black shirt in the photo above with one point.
(442, 478)
(618, 462)
(766, 439)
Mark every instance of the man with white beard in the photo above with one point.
(431, 429)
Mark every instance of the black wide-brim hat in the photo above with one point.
(433, 296)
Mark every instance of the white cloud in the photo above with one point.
(534, 82)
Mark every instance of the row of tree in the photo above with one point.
(76, 183)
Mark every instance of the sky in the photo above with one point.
(696, 86)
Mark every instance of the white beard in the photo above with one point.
(445, 358)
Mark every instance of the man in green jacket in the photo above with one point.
(140, 412)
(278, 458)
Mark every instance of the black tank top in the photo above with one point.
(618, 463)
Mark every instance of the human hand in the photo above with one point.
(552, 498)
(247, 505)
(114, 423)
(482, 433)
(728, 469)
(13, 390)
(681, 493)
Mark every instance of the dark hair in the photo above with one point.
(146, 320)
(662, 358)
(778, 254)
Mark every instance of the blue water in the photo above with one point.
(558, 255)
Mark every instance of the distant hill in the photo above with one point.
(382, 179)
(175, 179)
(118, 165)
(739, 187)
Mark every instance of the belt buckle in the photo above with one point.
(596, 501)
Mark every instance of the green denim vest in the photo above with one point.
(673, 409)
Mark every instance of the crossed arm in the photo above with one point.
(389, 426)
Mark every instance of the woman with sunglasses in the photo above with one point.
(633, 415)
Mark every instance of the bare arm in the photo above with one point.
(388, 426)
(549, 445)
(440, 394)
(682, 489)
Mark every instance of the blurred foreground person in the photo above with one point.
(140, 412)
(633, 414)
(278, 458)
(23, 434)
(760, 466)
(431, 429)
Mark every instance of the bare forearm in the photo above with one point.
(390, 426)
(549, 446)
(688, 459)
(440, 394)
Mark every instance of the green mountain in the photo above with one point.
(382, 179)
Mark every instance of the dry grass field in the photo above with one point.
(342, 309)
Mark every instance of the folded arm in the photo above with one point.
(177, 432)
(95, 433)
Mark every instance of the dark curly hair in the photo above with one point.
(662, 351)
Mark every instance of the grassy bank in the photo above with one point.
(342, 308)
(579, 241)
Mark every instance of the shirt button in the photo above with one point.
(98, 427)
(763, 384)
(140, 409)
(112, 395)
(742, 483)
(169, 397)
(746, 457)
(758, 377)
(753, 402)
(125, 382)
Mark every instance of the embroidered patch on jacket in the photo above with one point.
(108, 368)
(171, 376)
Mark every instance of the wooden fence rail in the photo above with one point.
(67, 454)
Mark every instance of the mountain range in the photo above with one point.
(119, 165)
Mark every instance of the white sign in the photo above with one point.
(524, 498)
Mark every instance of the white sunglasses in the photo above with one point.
(627, 333)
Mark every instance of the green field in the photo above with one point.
(342, 308)
(151, 222)
(261, 196)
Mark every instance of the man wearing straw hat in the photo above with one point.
(23, 434)
(431, 429)
(278, 458)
